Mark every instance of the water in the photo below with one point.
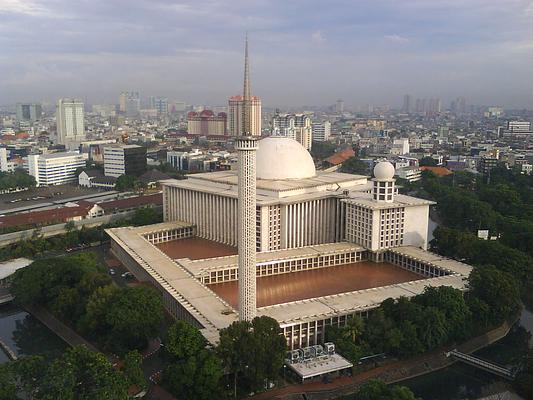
(461, 381)
(25, 335)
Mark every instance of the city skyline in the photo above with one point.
(373, 53)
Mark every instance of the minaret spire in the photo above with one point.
(247, 98)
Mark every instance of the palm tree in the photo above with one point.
(353, 328)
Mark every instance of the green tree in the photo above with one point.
(132, 318)
(353, 165)
(146, 216)
(322, 150)
(498, 289)
(196, 377)
(378, 390)
(83, 375)
(354, 328)
(127, 182)
(428, 161)
(193, 371)
(253, 352)
(133, 369)
(183, 340)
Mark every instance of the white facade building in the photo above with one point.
(5, 164)
(400, 147)
(321, 131)
(410, 174)
(70, 122)
(385, 219)
(56, 168)
(296, 205)
(294, 126)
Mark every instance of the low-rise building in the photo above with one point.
(55, 168)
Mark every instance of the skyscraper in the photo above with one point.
(28, 111)
(235, 113)
(70, 121)
(339, 106)
(246, 147)
(130, 103)
(407, 105)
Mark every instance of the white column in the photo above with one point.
(246, 148)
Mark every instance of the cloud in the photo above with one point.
(318, 38)
(26, 7)
(396, 39)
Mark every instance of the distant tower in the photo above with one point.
(246, 147)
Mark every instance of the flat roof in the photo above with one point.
(201, 267)
(320, 366)
(214, 313)
(202, 303)
(437, 260)
(225, 183)
(195, 248)
(311, 283)
(400, 200)
(351, 302)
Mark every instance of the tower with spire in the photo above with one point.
(246, 146)
(246, 95)
(244, 110)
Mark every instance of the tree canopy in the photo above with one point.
(253, 351)
(193, 370)
(17, 179)
(78, 374)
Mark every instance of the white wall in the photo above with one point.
(416, 226)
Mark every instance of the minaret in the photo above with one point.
(247, 97)
(246, 147)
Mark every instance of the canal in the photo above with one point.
(25, 335)
(462, 382)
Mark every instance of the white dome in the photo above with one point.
(283, 158)
(384, 170)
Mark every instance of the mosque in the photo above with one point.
(278, 238)
(329, 245)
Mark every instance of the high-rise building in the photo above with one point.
(130, 103)
(29, 111)
(70, 122)
(339, 106)
(235, 112)
(294, 126)
(407, 106)
(55, 168)
(206, 123)
(160, 104)
(124, 160)
(321, 131)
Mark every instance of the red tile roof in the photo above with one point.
(139, 201)
(439, 171)
(340, 156)
(56, 215)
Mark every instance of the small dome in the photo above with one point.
(384, 170)
(281, 158)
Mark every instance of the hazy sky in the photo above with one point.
(302, 51)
